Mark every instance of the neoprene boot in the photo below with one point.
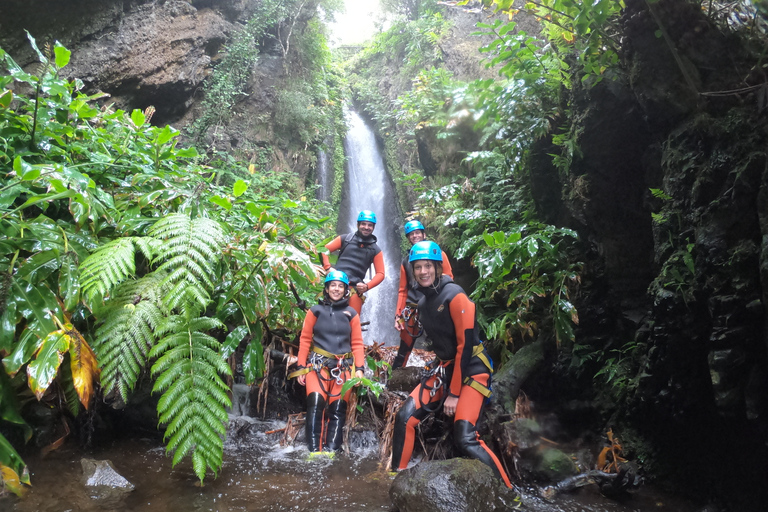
(337, 412)
(313, 425)
(398, 435)
(466, 439)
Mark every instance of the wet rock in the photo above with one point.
(457, 485)
(525, 433)
(556, 465)
(104, 483)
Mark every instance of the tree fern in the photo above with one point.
(125, 337)
(194, 398)
(158, 316)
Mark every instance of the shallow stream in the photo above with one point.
(260, 475)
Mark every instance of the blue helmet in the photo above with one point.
(337, 275)
(366, 216)
(425, 250)
(413, 225)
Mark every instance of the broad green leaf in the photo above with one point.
(221, 201)
(23, 351)
(138, 118)
(148, 199)
(69, 281)
(233, 340)
(6, 97)
(37, 304)
(190, 152)
(8, 325)
(39, 267)
(253, 358)
(42, 370)
(239, 188)
(165, 135)
(33, 43)
(20, 167)
(62, 55)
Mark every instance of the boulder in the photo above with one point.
(104, 483)
(458, 485)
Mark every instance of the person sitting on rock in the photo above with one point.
(331, 343)
(357, 251)
(406, 315)
(459, 379)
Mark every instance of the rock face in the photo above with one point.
(458, 485)
(142, 53)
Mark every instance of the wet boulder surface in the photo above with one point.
(458, 485)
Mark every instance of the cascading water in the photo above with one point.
(324, 190)
(369, 188)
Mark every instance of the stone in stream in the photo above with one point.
(104, 483)
(458, 485)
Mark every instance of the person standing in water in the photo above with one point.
(330, 349)
(459, 379)
(406, 314)
(357, 251)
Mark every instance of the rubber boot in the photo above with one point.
(398, 435)
(337, 412)
(403, 351)
(466, 439)
(313, 426)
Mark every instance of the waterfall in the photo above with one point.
(368, 188)
(323, 192)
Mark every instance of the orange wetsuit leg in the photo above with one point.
(411, 414)
(468, 409)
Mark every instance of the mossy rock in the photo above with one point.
(556, 465)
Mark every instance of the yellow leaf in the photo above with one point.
(85, 369)
(569, 37)
(11, 481)
(252, 168)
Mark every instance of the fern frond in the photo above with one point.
(189, 252)
(194, 397)
(185, 293)
(108, 266)
(127, 333)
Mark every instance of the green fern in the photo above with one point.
(158, 316)
(110, 265)
(188, 253)
(125, 337)
(194, 398)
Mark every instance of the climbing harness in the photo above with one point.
(410, 318)
(479, 352)
(337, 365)
(438, 369)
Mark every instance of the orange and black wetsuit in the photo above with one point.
(462, 369)
(408, 295)
(330, 340)
(356, 256)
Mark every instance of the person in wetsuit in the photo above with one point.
(406, 316)
(357, 251)
(330, 349)
(459, 379)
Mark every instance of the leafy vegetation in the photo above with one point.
(124, 254)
